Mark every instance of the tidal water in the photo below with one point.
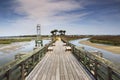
(113, 57)
(8, 54)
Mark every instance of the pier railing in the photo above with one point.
(21, 67)
(99, 67)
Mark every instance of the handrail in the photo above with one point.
(99, 67)
(13, 63)
(23, 65)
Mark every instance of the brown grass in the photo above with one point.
(113, 49)
(111, 40)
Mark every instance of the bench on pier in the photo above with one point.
(68, 48)
(64, 44)
(50, 48)
(53, 44)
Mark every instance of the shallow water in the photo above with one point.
(25, 47)
(115, 58)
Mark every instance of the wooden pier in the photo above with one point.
(60, 60)
(58, 65)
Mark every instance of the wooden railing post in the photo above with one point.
(22, 71)
(72, 49)
(33, 59)
(96, 67)
(39, 54)
(8, 74)
(27, 63)
(42, 54)
(109, 73)
(95, 64)
(79, 56)
(85, 59)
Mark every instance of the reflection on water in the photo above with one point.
(7, 53)
(106, 54)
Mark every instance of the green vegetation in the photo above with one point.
(110, 40)
(8, 41)
(62, 32)
(55, 31)
(73, 37)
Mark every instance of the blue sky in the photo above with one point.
(20, 17)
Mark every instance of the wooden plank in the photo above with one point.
(57, 71)
(65, 70)
(62, 76)
(40, 69)
(49, 73)
(58, 65)
(37, 68)
(46, 69)
(76, 69)
(80, 68)
(70, 74)
(72, 68)
(40, 73)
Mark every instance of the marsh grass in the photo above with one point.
(8, 41)
(110, 40)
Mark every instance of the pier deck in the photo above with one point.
(58, 65)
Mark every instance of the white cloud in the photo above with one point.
(52, 14)
(44, 10)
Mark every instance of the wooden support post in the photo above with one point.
(85, 59)
(8, 75)
(22, 71)
(41, 53)
(39, 56)
(79, 58)
(96, 67)
(33, 58)
(72, 49)
(109, 73)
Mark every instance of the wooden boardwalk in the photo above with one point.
(58, 65)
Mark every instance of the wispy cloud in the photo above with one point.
(44, 10)
(82, 16)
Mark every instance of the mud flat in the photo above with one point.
(12, 47)
(113, 49)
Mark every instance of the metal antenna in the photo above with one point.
(38, 32)
(38, 41)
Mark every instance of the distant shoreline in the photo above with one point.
(109, 40)
(113, 49)
(9, 41)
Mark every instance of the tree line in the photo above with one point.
(61, 32)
